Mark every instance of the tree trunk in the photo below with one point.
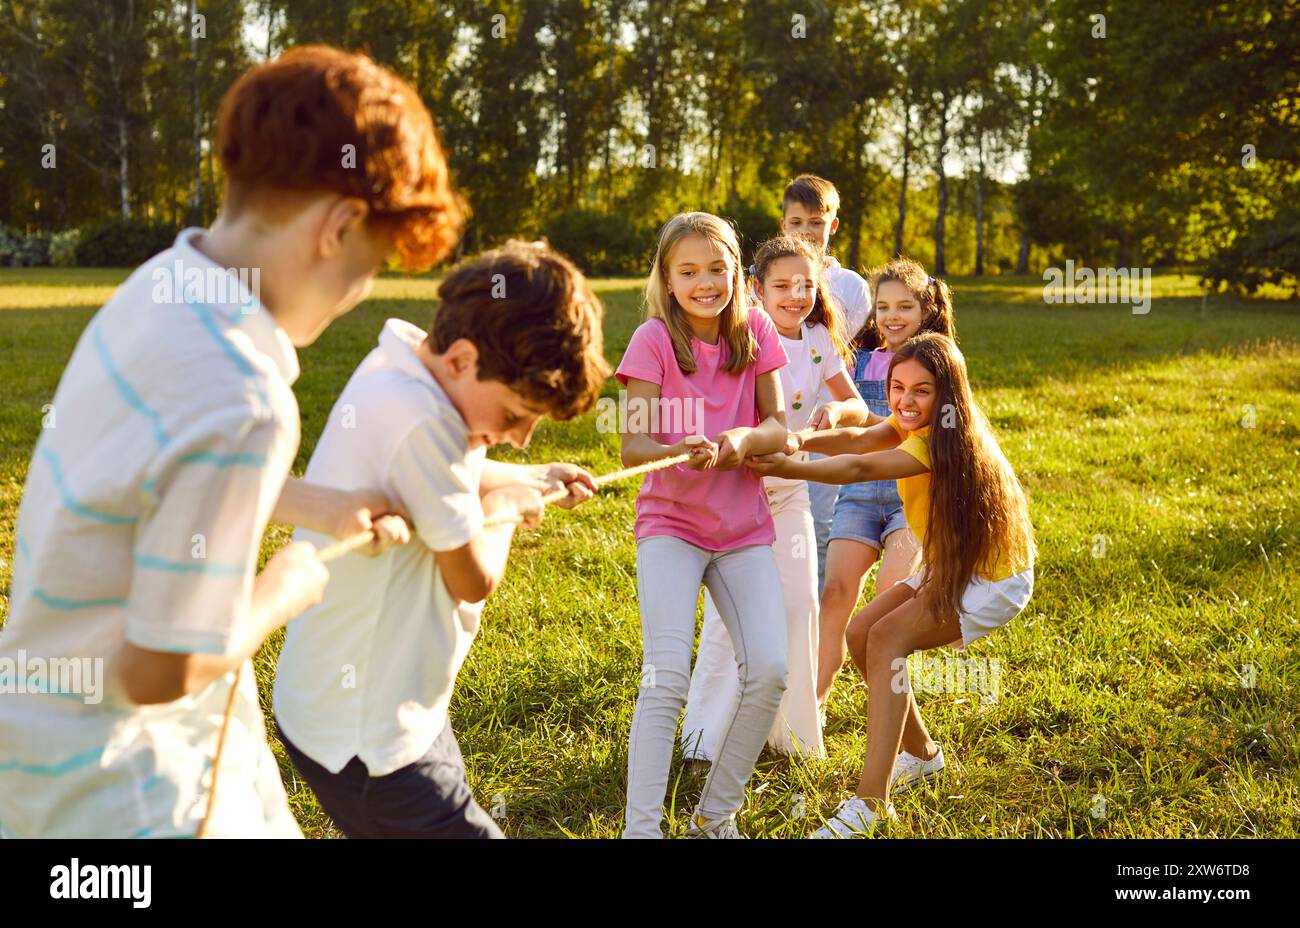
(610, 109)
(940, 268)
(979, 211)
(196, 195)
(1022, 260)
(902, 189)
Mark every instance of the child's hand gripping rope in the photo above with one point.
(392, 529)
(384, 532)
(700, 452)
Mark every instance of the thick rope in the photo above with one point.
(360, 540)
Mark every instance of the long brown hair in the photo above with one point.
(733, 324)
(932, 293)
(978, 511)
(826, 309)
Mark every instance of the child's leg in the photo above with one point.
(916, 738)
(668, 575)
(798, 727)
(900, 560)
(911, 626)
(747, 590)
(428, 799)
(847, 563)
(821, 501)
(715, 688)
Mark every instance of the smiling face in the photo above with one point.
(699, 276)
(802, 222)
(912, 393)
(789, 293)
(898, 313)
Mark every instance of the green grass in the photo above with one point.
(1123, 679)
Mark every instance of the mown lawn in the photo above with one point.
(1151, 689)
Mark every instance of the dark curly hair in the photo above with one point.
(535, 322)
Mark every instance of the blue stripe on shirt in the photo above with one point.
(75, 762)
(71, 502)
(205, 316)
(197, 566)
(70, 605)
(126, 390)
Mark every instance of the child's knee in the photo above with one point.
(855, 637)
(880, 646)
(669, 681)
(765, 671)
(838, 593)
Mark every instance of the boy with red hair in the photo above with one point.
(143, 512)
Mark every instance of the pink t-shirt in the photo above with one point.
(717, 510)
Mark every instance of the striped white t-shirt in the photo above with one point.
(168, 442)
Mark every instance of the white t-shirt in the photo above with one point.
(369, 671)
(813, 361)
(852, 291)
(171, 434)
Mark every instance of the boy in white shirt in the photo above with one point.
(174, 429)
(808, 210)
(365, 677)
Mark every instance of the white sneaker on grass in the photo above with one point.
(854, 819)
(910, 770)
(701, 827)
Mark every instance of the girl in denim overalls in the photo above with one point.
(869, 523)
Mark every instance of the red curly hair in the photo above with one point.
(284, 129)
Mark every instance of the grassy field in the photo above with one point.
(1151, 689)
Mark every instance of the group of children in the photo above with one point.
(837, 430)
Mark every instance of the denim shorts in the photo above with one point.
(868, 513)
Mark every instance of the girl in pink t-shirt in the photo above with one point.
(703, 367)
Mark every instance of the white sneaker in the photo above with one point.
(854, 818)
(701, 827)
(910, 770)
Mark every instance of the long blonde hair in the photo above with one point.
(826, 309)
(733, 323)
(978, 511)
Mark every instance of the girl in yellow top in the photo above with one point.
(965, 505)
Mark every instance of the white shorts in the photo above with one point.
(987, 604)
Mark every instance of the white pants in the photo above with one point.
(745, 586)
(797, 730)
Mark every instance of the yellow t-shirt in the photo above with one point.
(915, 493)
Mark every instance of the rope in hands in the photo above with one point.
(361, 539)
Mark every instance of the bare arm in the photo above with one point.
(473, 571)
(842, 468)
(845, 408)
(641, 448)
(544, 478)
(293, 580)
(878, 437)
(768, 437)
(342, 513)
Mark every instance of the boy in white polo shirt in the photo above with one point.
(365, 677)
(809, 208)
(173, 432)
